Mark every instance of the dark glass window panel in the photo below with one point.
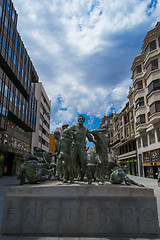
(11, 33)
(13, 15)
(139, 85)
(152, 108)
(0, 84)
(19, 67)
(156, 84)
(4, 42)
(140, 102)
(158, 134)
(20, 49)
(19, 105)
(3, 111)
(1, 37)
(11, 96)
(153, 86)
(6, 22)
(139, 69)
(9, 51)
(150, 88)
(148, 69)
(147, 49)
(16, 101)
(0, 11)
(141, 119)
(6, 90)
(14, 59)
(157, 106)
(8, 4)
(26, 78)
(22, 73)
(154, 64)
(23, 57)
(153, 45)
(16, 42)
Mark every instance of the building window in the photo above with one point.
(153, 86)
(158, 134)
(6, 22)
(151, 46)
(0, 84)
(145, 141)
(137, 70)
(8, 4)
(5, 90)
(155, 107)
(9, 51)
(13, 16)
(4, 111)
(139, 85)
(11, 33)
(152, 66)
(0, 11)
(141, 119)
(139, 142)
(4, 42)
(151, 137)
(140, 102)
(146, 157)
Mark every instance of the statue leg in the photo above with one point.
(65, 171)
(83, 162)
(89, 174)
(73, 164)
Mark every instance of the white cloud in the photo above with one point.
(82, 51)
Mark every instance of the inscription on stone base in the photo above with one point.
(78, 216)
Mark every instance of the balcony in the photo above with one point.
(154, 118)
(141, 110)
(138, 77)
(128, 155)
(141, 127)
(150, 55)
(153, 97)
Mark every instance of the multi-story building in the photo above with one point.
(40, 138)
(124, 136)
(146, 83)
(17, 101)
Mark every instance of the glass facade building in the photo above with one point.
(18, 104)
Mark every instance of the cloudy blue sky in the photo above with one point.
(83, 52)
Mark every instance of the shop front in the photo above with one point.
(132, 165)
(151, 163)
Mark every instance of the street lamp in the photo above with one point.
(44, 113)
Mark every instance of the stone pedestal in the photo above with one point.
(53, 209)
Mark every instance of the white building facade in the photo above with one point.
(40, 138)
(146, 83)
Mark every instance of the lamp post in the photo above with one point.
(44, 113)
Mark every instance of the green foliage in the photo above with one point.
(1, 160)
(111, 115)
(116, 118)
(18, 158)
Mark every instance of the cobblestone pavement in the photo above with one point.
(6, 182)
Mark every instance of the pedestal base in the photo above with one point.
(80, 210)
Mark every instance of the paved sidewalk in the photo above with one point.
(6, 182)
